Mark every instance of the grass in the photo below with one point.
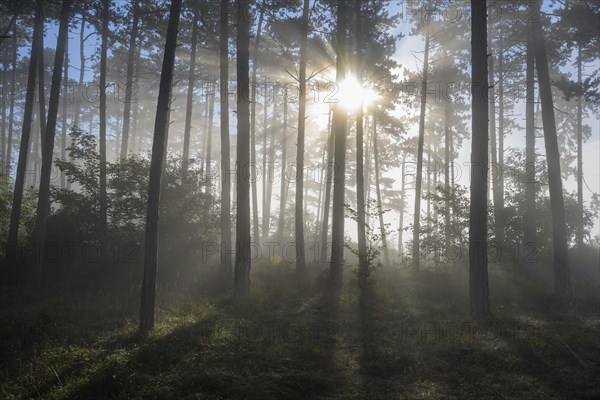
(411, 339)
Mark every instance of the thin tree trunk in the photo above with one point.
(328, 182)
(363, 262)
(447, 138)
(265, 176)
(529, 224)
(190, 98)
(242, 254)
(562, 278)
(299, 214)
(579, 232)
(15, 213)
(339, 128)
(103, 57)
(159, 143)
(282, 192)
(253, 124)
(129, 84)
(386, 255)
(11, 113)
(402, 208)
(41, 79)
(81, 68)
(65, 100)
(225, 146)
(478, 213)
(500, 223)
(209, 133)
(493, 149)
(43, 206)
(417, 212)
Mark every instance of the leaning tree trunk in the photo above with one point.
(129, 84)
(339, 180)
(43, 206)
(242, 254)
(156, 166)
(417, 213)
(478, 262)
(190, 97)
(562, 277)
(15, 213)
(529, 224)
(103, 57)
(225, 147)
(299, 214)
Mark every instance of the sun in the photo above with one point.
(352, 95)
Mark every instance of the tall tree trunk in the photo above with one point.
(43, 206)
(65, 100)
(225, 146)
(386, 254)
(242, 254)
(417, 214)
(103, 57)
(267, 173)
(81, 69)
(402, 209)
(529, 224)
(129, 84)
(253, 123)
(363, 262)
(41, 79)
(327, 201)
(3, 100)
(282, 192)
(11, 113)
(159, 143)
(190, 96)
(15, 212)
(500, 223)
(299, 214)
(447, 139)
(493, 171)
(209, 133)
(339, 172)
(562, 278)
(579, 232)
(478, 213)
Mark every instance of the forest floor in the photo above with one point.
(410, 339)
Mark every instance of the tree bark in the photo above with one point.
(562, 278)
(159, 143)
(529, 223)
(243, 245)
(65, 100)
(253, 124)
(43, 206)
(339, 171)
(102, 122)
(209, 134)
(11, 112)
(386, 255)
(579, 233)
(299, 214)
(129, 84)
(190, 97)
(327, 201)
(493, 170)
(225, 146)
(417, 213)
(41, 78)
(447, 138)
(478, 213)
(282, 192)
(15, 213)
(500, 223)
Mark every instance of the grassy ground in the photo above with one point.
(411, 339)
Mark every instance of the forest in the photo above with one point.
(299, 199)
